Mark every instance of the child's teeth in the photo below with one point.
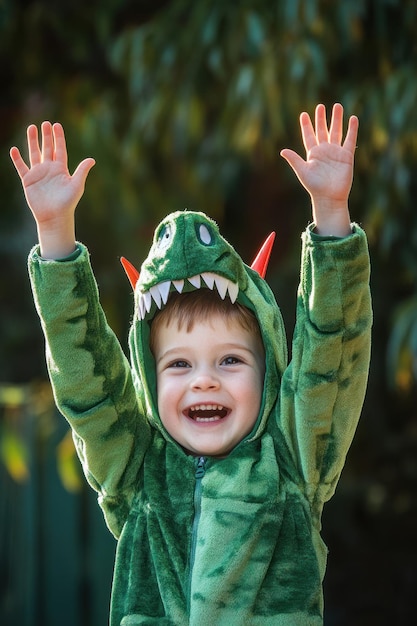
(207, 412)
(207, 419)
(207, 407)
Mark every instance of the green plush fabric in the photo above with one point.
(239, 542)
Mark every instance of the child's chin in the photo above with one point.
(212, 451)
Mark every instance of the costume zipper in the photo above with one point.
(199, 473)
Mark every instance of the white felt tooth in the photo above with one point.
(148, 300)
(139, 313)
(233, 289)
(156, 296)
(221, 284)
(164, 290)
(141, 306)
(179, 285)
(195, 281)
(208, 278)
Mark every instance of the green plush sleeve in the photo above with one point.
(91, 379)
(324, 386)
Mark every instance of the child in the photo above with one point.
(212, 457)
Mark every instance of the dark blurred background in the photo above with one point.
(186, 105)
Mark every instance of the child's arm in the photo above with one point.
(324, 386)
(51, 192)
(89, 372)
(327, 173)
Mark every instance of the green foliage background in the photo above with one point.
(186, 105)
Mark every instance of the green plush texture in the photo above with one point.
(242, 544)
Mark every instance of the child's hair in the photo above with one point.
(199, 306)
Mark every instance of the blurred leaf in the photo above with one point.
(14, 455)
(12, 396)
(402, 346)
(68, 464)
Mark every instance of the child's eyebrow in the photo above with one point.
(171, 352)
(237, 346)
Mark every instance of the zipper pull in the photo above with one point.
(200, 469)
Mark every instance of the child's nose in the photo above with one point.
(205, 381)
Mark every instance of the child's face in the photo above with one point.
(210, 382)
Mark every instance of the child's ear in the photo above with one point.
(131, 271)
(261, 261)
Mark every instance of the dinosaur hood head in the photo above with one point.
(188, 253)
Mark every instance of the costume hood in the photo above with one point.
(188, 253)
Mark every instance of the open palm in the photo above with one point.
(327, 171)
(51, 192)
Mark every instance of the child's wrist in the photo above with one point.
(333, 227)
(57, 241)
(331, 218)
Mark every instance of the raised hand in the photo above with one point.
(51, 192)
(327, 171)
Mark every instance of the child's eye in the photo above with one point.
(179, 363)
(231, 360)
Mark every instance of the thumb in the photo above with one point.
(293, 159)
(83, 169)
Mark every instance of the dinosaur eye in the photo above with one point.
(204, 234)
(164, 236)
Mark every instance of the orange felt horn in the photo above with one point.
(131, 271)
(260, 263)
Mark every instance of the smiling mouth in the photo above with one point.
(207, 412)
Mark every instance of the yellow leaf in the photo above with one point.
(14, 455)
(68, 464)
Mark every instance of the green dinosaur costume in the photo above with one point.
(233, 541)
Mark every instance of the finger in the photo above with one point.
(18, 162)
(35, 156)
(307, 132)
(322, 134)
(47, 142)
(60, 144)
(352, 134)
(336, 124)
